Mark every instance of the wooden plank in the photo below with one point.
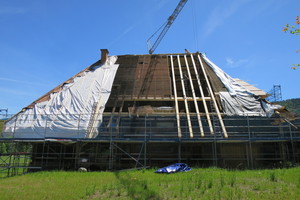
(175, 98)
(202, 95)
(187, 110)
(194, 97)
(213, 98)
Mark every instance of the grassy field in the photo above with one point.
(211, 183)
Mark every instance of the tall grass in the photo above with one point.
(211, 183)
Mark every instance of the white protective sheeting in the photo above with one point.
(242, 105)
(238, 100)
(69, 113)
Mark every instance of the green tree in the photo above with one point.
(3, 147)
(295, 30)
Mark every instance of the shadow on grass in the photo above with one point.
(136, 189)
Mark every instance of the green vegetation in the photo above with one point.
(1, 125)
(295, 30)
(211, 183)
(292, 105)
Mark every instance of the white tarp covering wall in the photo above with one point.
(73, 112)
(238, 100)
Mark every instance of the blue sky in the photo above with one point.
(45, 42)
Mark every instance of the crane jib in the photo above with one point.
(170, 20)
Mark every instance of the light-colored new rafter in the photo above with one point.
(202, 95)
(213, 98)
(187, 110)
(194, 97)
(175, 97)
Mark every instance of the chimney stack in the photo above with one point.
(104, 55)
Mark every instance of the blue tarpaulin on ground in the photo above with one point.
(177, 167)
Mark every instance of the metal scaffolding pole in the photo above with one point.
(250, 143)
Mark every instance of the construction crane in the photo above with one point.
(166, 25)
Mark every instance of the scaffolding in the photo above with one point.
(15, 158)
(275, 94)
(3, 113)
(152, 141)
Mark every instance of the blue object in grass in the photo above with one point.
(177, 167)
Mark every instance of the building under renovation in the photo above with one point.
(136, 111)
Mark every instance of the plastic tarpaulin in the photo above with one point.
(238, 100)
(242, 105)
(73, 112)
(177, 167)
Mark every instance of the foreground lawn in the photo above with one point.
(211, 183)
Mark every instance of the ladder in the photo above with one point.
(90, 127)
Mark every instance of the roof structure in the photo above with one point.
(252, 88)
(183, 86)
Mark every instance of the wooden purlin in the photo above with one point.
(213, 98)
(164, 99)
(203, 96)
(194, 97)
(175, 98)
(187, 110)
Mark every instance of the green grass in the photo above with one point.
(211, 183)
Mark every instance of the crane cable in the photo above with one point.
(157, 30)
(195, 28)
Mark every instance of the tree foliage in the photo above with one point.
(1, 125)
(295, 30)
(292, 105)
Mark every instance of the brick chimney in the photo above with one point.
(104, 55)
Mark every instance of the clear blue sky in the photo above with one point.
(45, 42)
